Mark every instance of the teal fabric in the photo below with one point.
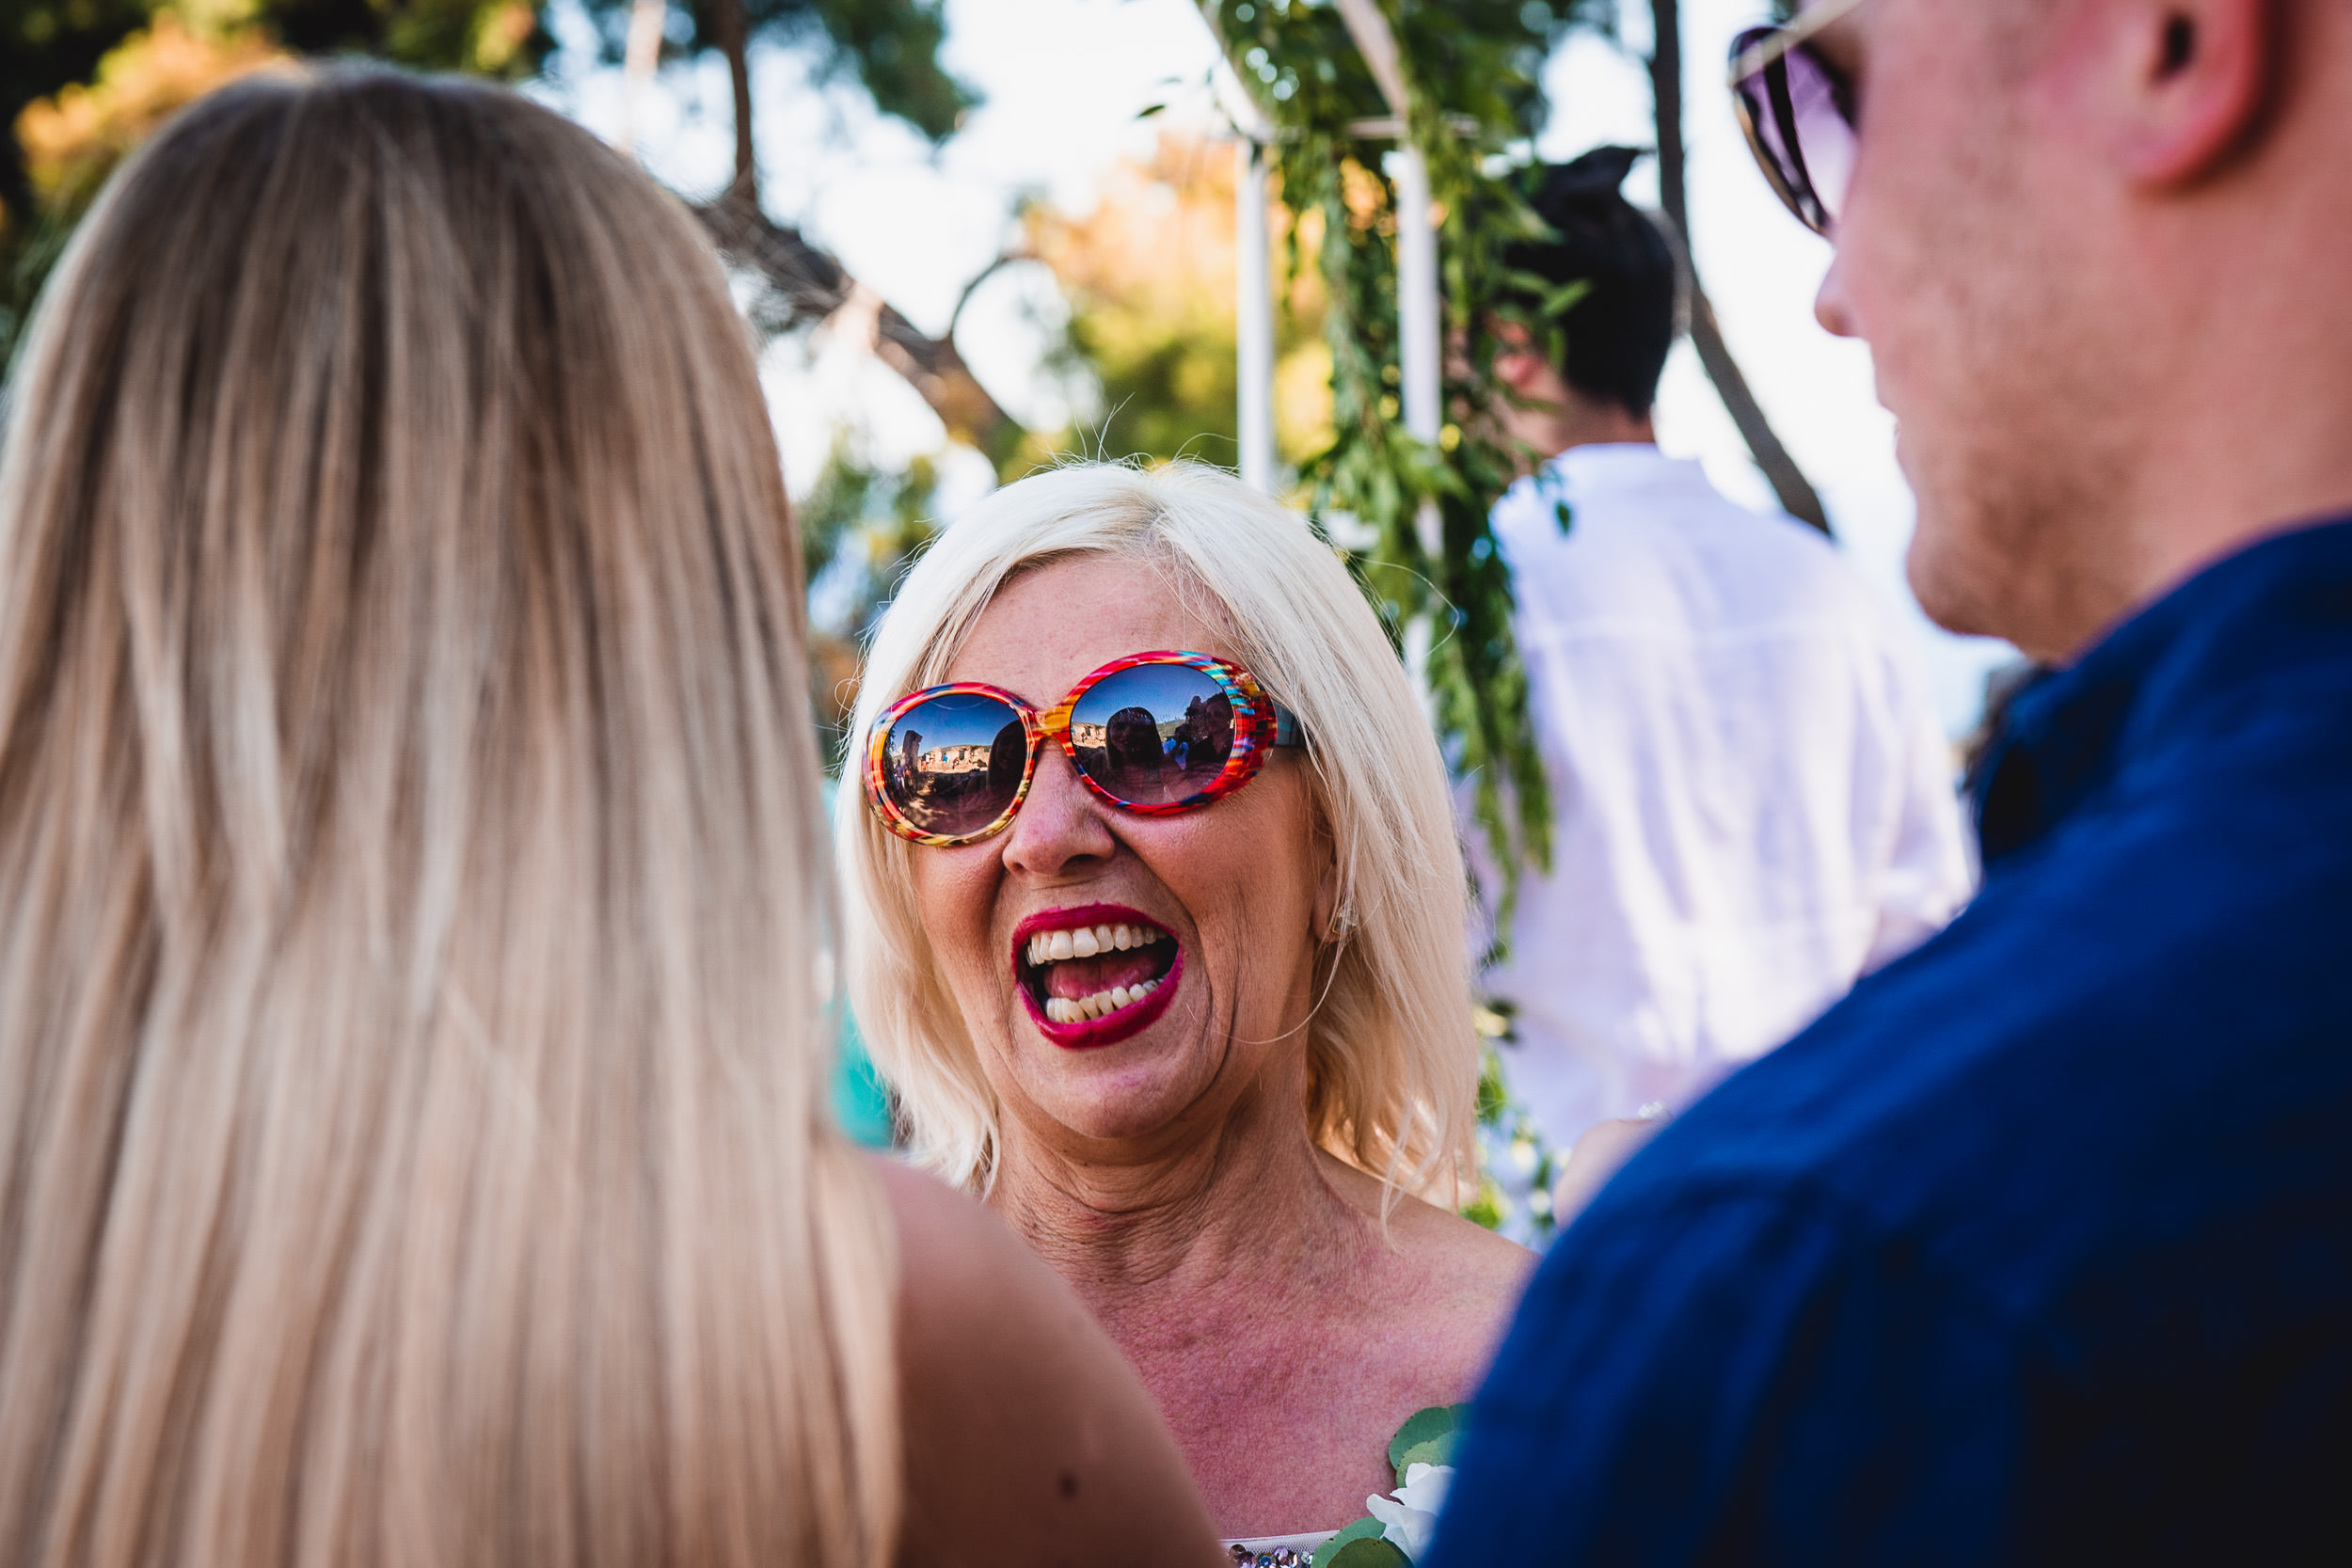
(859, 1100)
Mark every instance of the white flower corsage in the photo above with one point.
(1409, 1521)
(1401, 1525)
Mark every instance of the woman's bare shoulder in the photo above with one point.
(1461, 1281)
(1429, 1237)
(1026, 1434)
(1478, 1276)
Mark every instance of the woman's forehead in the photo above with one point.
(1046, 628)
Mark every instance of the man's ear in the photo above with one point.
(2193, 80)
(1517, 365)
(1519, 369)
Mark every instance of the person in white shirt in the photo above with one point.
(1753, 803)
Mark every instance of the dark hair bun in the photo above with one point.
(1619, 333)
(1587, 182)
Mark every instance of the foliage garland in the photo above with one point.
(1470, 70)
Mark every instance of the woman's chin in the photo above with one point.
(1136, 1087)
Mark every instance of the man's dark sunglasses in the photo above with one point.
(1797, 111)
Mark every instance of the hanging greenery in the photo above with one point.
(1470, 71)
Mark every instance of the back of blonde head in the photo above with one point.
(1393, 1059)
(413, 1146)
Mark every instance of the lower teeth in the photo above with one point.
(1065, 1010)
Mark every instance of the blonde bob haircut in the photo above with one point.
(414, 1145)
(1392, 1054)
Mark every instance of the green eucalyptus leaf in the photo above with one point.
(1363, 1530)
(1560, 301)
(1473, 99)
(1371, 1552)
(1425, 1426)
(1437, 1451)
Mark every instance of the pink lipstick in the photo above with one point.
(1093, 975)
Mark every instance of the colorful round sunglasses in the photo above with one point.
(1155, 733)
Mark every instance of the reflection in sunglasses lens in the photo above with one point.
(952, 765)
(1799, 117)
(1823, 130)
(1154, 734)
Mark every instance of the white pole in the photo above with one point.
(1418, 310)
(1253, 316)
(1417, 295)
(1253, 284)
(1377, 45)
(1417, 292)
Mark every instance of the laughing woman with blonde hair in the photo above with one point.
(413, 915)
(1155, 922)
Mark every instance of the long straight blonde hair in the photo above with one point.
(413, 910)
(1391, 1053)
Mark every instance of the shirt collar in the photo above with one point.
(2281, 605)
(1622, 466)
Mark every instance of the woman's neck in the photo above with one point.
(1249, 1199)
(1246, 1277)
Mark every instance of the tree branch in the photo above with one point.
(1004, 259)
(805, 285)
(1797, 494)
(735, 43)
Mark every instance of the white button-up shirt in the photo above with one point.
(1753, 803)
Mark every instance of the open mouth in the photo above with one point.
(1094, 974)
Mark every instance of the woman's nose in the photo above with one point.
(1059, 828)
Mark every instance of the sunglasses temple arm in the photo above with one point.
(1288, 731)
(1809, 21)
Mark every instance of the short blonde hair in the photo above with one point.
(414, 1141)
(1392, 1055)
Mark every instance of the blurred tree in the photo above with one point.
(799, 283)
(890, 47)
(1149, 278)
(65, 143)
(49, 46)
(69, 143)
(45, 45)
(82, 82)
(861, 527)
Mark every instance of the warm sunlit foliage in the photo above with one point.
(1149, 276)
(71, 141)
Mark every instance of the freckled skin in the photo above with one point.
(1979, 310)
(1169, 1177)
(2102, 289)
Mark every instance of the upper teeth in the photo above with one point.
(1084, 941)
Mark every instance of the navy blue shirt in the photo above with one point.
(2038, 1249)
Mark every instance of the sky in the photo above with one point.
(1064, 82)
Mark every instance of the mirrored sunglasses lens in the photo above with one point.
(1821, 128)
(1154, 734)
(1798, 115)
(951, 765)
